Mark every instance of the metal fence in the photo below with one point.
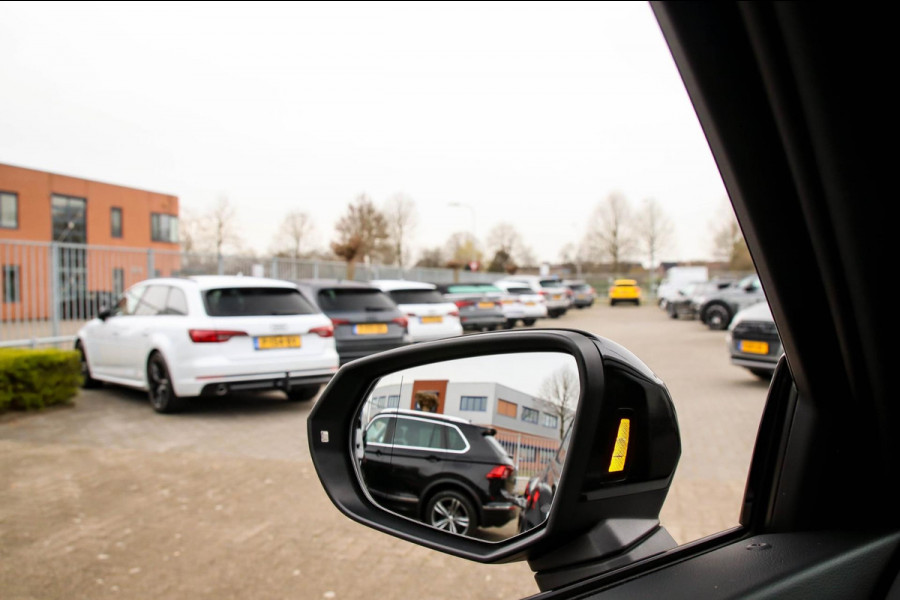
(530, 453)
(50, 289)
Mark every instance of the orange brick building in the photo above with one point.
(107, 237)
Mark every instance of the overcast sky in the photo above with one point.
(527, 113)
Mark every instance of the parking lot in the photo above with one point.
(109, 499)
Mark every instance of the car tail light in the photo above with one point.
(533, 500)
(325, 331)
(336, 322)
(401, 321)
(500, 472)
(213, 336)
(464, 303)
(544, 293)
(453, 313)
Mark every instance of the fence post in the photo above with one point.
(54, 288)
(221, 265)
(518, 450)
(151, 263)
(273, 270)
(316, 270)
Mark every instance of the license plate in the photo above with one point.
(557, 297)
(274, 342)
(370, 329)
(581, 296)
(485, 305)
(432, 319)
(751, 347)
(529, 304)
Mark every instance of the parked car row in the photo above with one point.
(178, 338)
(739, 307)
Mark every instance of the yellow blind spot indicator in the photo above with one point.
(621, 450)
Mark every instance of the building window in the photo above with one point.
(115, 222)
(529, 415)
(118, 281)
(549, 420)
(477, 403)
(9, 210)
(164, 228)
(393, 401)
(11, 292)
(507, 409)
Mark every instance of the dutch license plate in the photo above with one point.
(274, 342)
(432, 319)
(581, 296)
(751, 347)
(485, 305)
(529, 304)
(557, 297)
(370, 329)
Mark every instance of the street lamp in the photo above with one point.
(474, 232)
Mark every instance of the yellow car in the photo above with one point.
(625, 290)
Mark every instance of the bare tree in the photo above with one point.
(728, 240)
(509, 250)
(609, 234)
(654, 231)
(431, 258)
(559, 392)
(402, 218)
(361, 232)
(295, 233)
(190, 232)
(220, 225)
(462, 247)
(349, 250)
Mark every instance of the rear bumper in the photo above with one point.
(285, 382)
(479, 322)
(497, 514)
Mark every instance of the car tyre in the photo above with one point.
(87, 381)
(451, 511)
(529, 322)
(510, 323)
(303, 393)
(162, 395)
(717, 317)
(763, 374)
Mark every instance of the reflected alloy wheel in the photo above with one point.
(159, 386)
(453, 512)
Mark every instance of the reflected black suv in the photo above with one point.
(442, 470)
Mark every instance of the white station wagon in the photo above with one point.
(209, 335)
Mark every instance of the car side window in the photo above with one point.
(417, 434)
(378, 431)
(128, 303)
(177, 303)
(153, 302)
(455, 440)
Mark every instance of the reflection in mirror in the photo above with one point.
(473, 446)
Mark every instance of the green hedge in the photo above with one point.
(33, 379)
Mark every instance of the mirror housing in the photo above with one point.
(599, 514)
(104, 313)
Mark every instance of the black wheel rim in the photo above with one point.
(160, 388)
(450, 514)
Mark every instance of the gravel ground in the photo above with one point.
(108, 499)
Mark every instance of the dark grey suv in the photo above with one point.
(717, 309)
(365, 319)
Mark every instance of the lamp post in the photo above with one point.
(474, 232)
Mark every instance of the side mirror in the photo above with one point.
(105, 313)
(553, 446)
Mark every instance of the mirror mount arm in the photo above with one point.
(640, 538)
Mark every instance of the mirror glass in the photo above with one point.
(472, 446)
